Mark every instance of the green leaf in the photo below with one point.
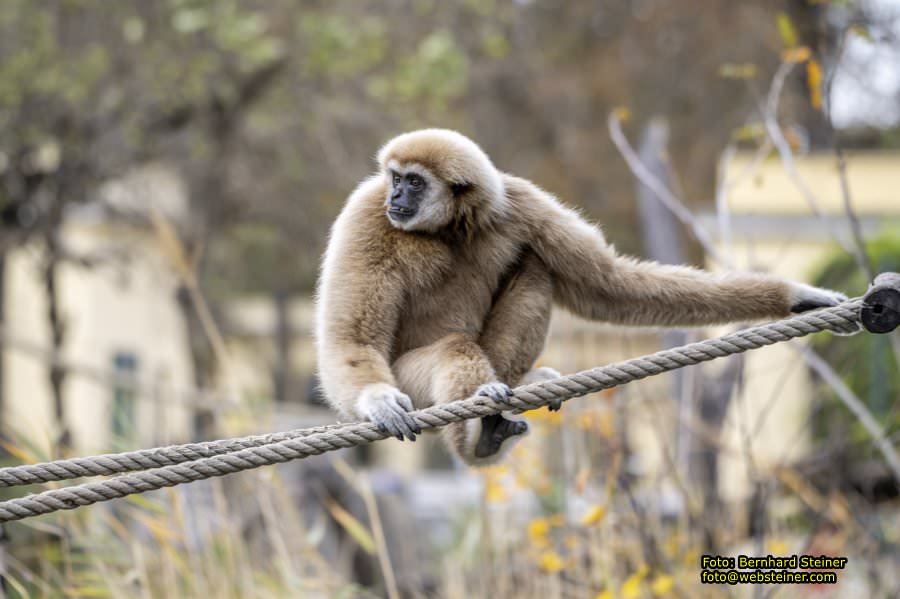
(786, 30)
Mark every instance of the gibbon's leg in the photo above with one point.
(516, 328)
(450, 369)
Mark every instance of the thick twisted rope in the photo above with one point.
(180, 464)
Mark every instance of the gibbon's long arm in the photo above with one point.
(358, 307)
(591, 280)
(355, 334)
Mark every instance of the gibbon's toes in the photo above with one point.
(555, 405)
(494, 431)
(388, 408)
(499, 392)
(806, 297)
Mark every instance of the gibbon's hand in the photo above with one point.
(388, 408)
(806, 297)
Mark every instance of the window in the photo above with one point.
(123, 423)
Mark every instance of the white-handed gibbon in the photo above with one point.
(439, 279)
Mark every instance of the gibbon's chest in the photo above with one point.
(457, 301)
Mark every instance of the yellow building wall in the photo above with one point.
(773, 406)
(116, 306)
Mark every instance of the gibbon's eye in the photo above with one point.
(415, 182)
(396, 179)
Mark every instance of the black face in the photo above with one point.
(407, 193)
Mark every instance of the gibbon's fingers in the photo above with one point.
(494, 431)
(497, 391)
(388, 408)
(806, 297)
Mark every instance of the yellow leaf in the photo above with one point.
(494, 491)
(748, 132)
(622, 113)
(777, 547)
(814, 83)
(861, 31)
(550, 561)
(799, 54)
(745, 70)
(594, 515)
(631, 589)
(604, 595)
(786, 30)
(543, 415)
(691, 557)
(538, 528)
(661, 585)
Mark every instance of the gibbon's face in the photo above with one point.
(416, 199)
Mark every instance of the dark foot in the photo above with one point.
(555, 405)
(494, 431)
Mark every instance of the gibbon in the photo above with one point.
(440, 275)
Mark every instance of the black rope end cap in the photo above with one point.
(880, 312)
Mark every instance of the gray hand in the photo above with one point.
(388, 408)
(806, 297)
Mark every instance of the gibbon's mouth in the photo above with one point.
(399, 213)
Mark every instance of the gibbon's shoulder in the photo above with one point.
(527, 199)
(367, 200)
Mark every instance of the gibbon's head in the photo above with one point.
(438, 178)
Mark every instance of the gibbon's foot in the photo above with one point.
(806, 297)
(388, 408)
(499, 392)
(494, 431)
(544, 373)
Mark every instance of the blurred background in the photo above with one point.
(169, 170)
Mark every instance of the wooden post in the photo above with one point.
(880, 312)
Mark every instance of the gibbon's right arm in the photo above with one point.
(357, 308)
(593, 281)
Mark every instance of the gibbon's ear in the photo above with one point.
(457, 189)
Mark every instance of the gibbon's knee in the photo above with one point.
(449, 369)
(515, 330)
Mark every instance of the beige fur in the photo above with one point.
(428, 313)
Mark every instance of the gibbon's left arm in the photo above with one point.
(591, 280)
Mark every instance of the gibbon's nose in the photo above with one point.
(401, 200)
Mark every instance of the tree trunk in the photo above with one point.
(283, 340)
(2, 350)
(57, 373)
